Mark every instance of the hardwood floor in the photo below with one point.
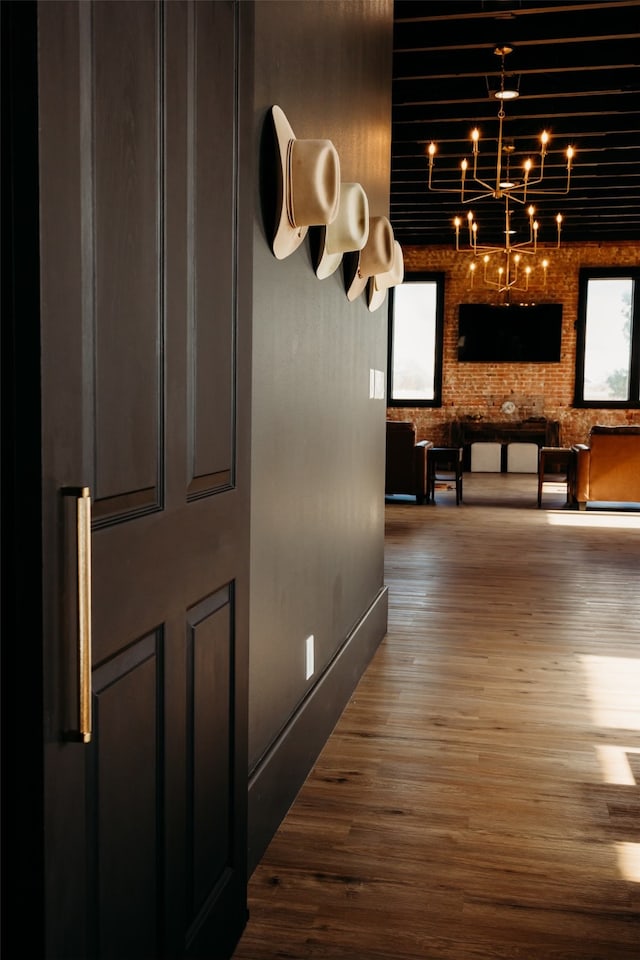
(479, 798)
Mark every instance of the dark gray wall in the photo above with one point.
(317, 524)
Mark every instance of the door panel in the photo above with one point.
(145, 400)
(123, 270)
(210, 653)
(125, 788)
(211, 257)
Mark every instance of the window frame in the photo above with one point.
(437, 277)
(605, 273)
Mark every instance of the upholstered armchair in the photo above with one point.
(608, 467)
(406, 461)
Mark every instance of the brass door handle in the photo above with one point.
(83, 528)
(84, 612)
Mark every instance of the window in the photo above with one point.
(415, 341)
(608, 342)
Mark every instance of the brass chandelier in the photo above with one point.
(502, 263)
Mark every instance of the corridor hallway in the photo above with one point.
(479, 798)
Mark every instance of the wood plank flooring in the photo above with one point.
(479, 799)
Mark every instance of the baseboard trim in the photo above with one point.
(275, 782)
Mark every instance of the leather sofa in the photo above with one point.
(608, 466)
(406, 461)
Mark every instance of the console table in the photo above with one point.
(545, 433)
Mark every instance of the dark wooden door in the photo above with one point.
(145, 312)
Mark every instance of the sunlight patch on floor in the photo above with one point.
(612, 685)
(611, 521)
(614, 764)
(629, 860)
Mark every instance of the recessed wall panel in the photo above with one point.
(212, 134)
(210, 650)
(123, 172)
(127, 785)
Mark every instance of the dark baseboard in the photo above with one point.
(275, 782)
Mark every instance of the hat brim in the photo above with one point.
(287, 237)
(357, 286)
(328, 263)
(376, 297)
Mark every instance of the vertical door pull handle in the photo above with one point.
(83, 516)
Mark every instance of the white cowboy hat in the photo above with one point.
(348, 232)
(380, 282)
(308, 185)
(375, 257)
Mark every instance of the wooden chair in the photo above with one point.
(444, 463)
(557, 465)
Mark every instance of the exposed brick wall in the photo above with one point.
(478, 390)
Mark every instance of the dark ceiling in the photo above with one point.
(579, 78)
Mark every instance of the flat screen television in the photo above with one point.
(511, 333)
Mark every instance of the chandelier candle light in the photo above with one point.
(508, 271)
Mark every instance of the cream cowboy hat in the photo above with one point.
(348, 232)
(380, 282)
(308, 185)
(375, 257)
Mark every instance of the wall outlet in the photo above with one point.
(310, 657)
(376, 384)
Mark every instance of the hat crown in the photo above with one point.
(350, 229)
(314, 182)
(377, 254)
(394, 276)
